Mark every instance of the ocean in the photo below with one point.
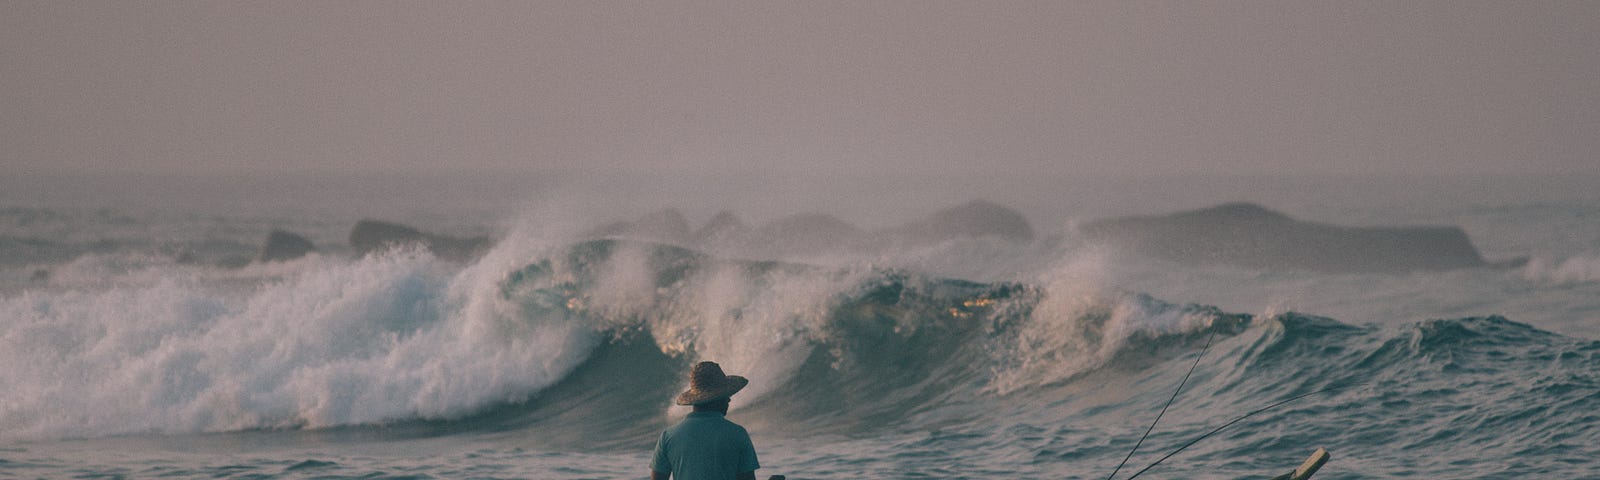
(141, 338)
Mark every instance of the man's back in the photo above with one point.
(705, 446)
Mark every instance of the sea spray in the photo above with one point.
(1078, 324)
(579, 347)
(1572, 270)
(762, 316)
(367, 341)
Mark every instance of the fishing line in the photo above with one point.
(1236, 420)
(1164, 408)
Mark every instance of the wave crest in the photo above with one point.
(1572, 270)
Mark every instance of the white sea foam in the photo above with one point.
(764, 327)
(126, 345)
(1080, 323)
(759, 324)
(1572, 270)
(368, 341)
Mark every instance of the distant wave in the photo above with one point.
(1576, 269)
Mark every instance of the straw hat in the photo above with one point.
(707, 383)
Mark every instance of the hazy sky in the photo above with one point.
(1058, 88)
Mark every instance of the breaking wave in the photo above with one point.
(586, 343)
(1572, 270)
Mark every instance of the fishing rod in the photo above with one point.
(1164, 408)
(1236, 420)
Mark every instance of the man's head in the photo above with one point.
(708, 384)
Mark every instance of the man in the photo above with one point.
(705, 445)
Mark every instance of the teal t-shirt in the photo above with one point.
(705, 446)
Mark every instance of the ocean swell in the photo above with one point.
(403, 337)
(347, 343)
(581, 347)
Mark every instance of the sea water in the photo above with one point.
(141, 341)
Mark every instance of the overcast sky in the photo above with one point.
(1050, 88)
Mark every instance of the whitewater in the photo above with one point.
(138, 339)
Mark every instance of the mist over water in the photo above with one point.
(883, 213)
(475, 199)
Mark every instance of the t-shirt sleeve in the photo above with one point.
(658, 461)
(748, 461)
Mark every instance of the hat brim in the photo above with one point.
(696, 397)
